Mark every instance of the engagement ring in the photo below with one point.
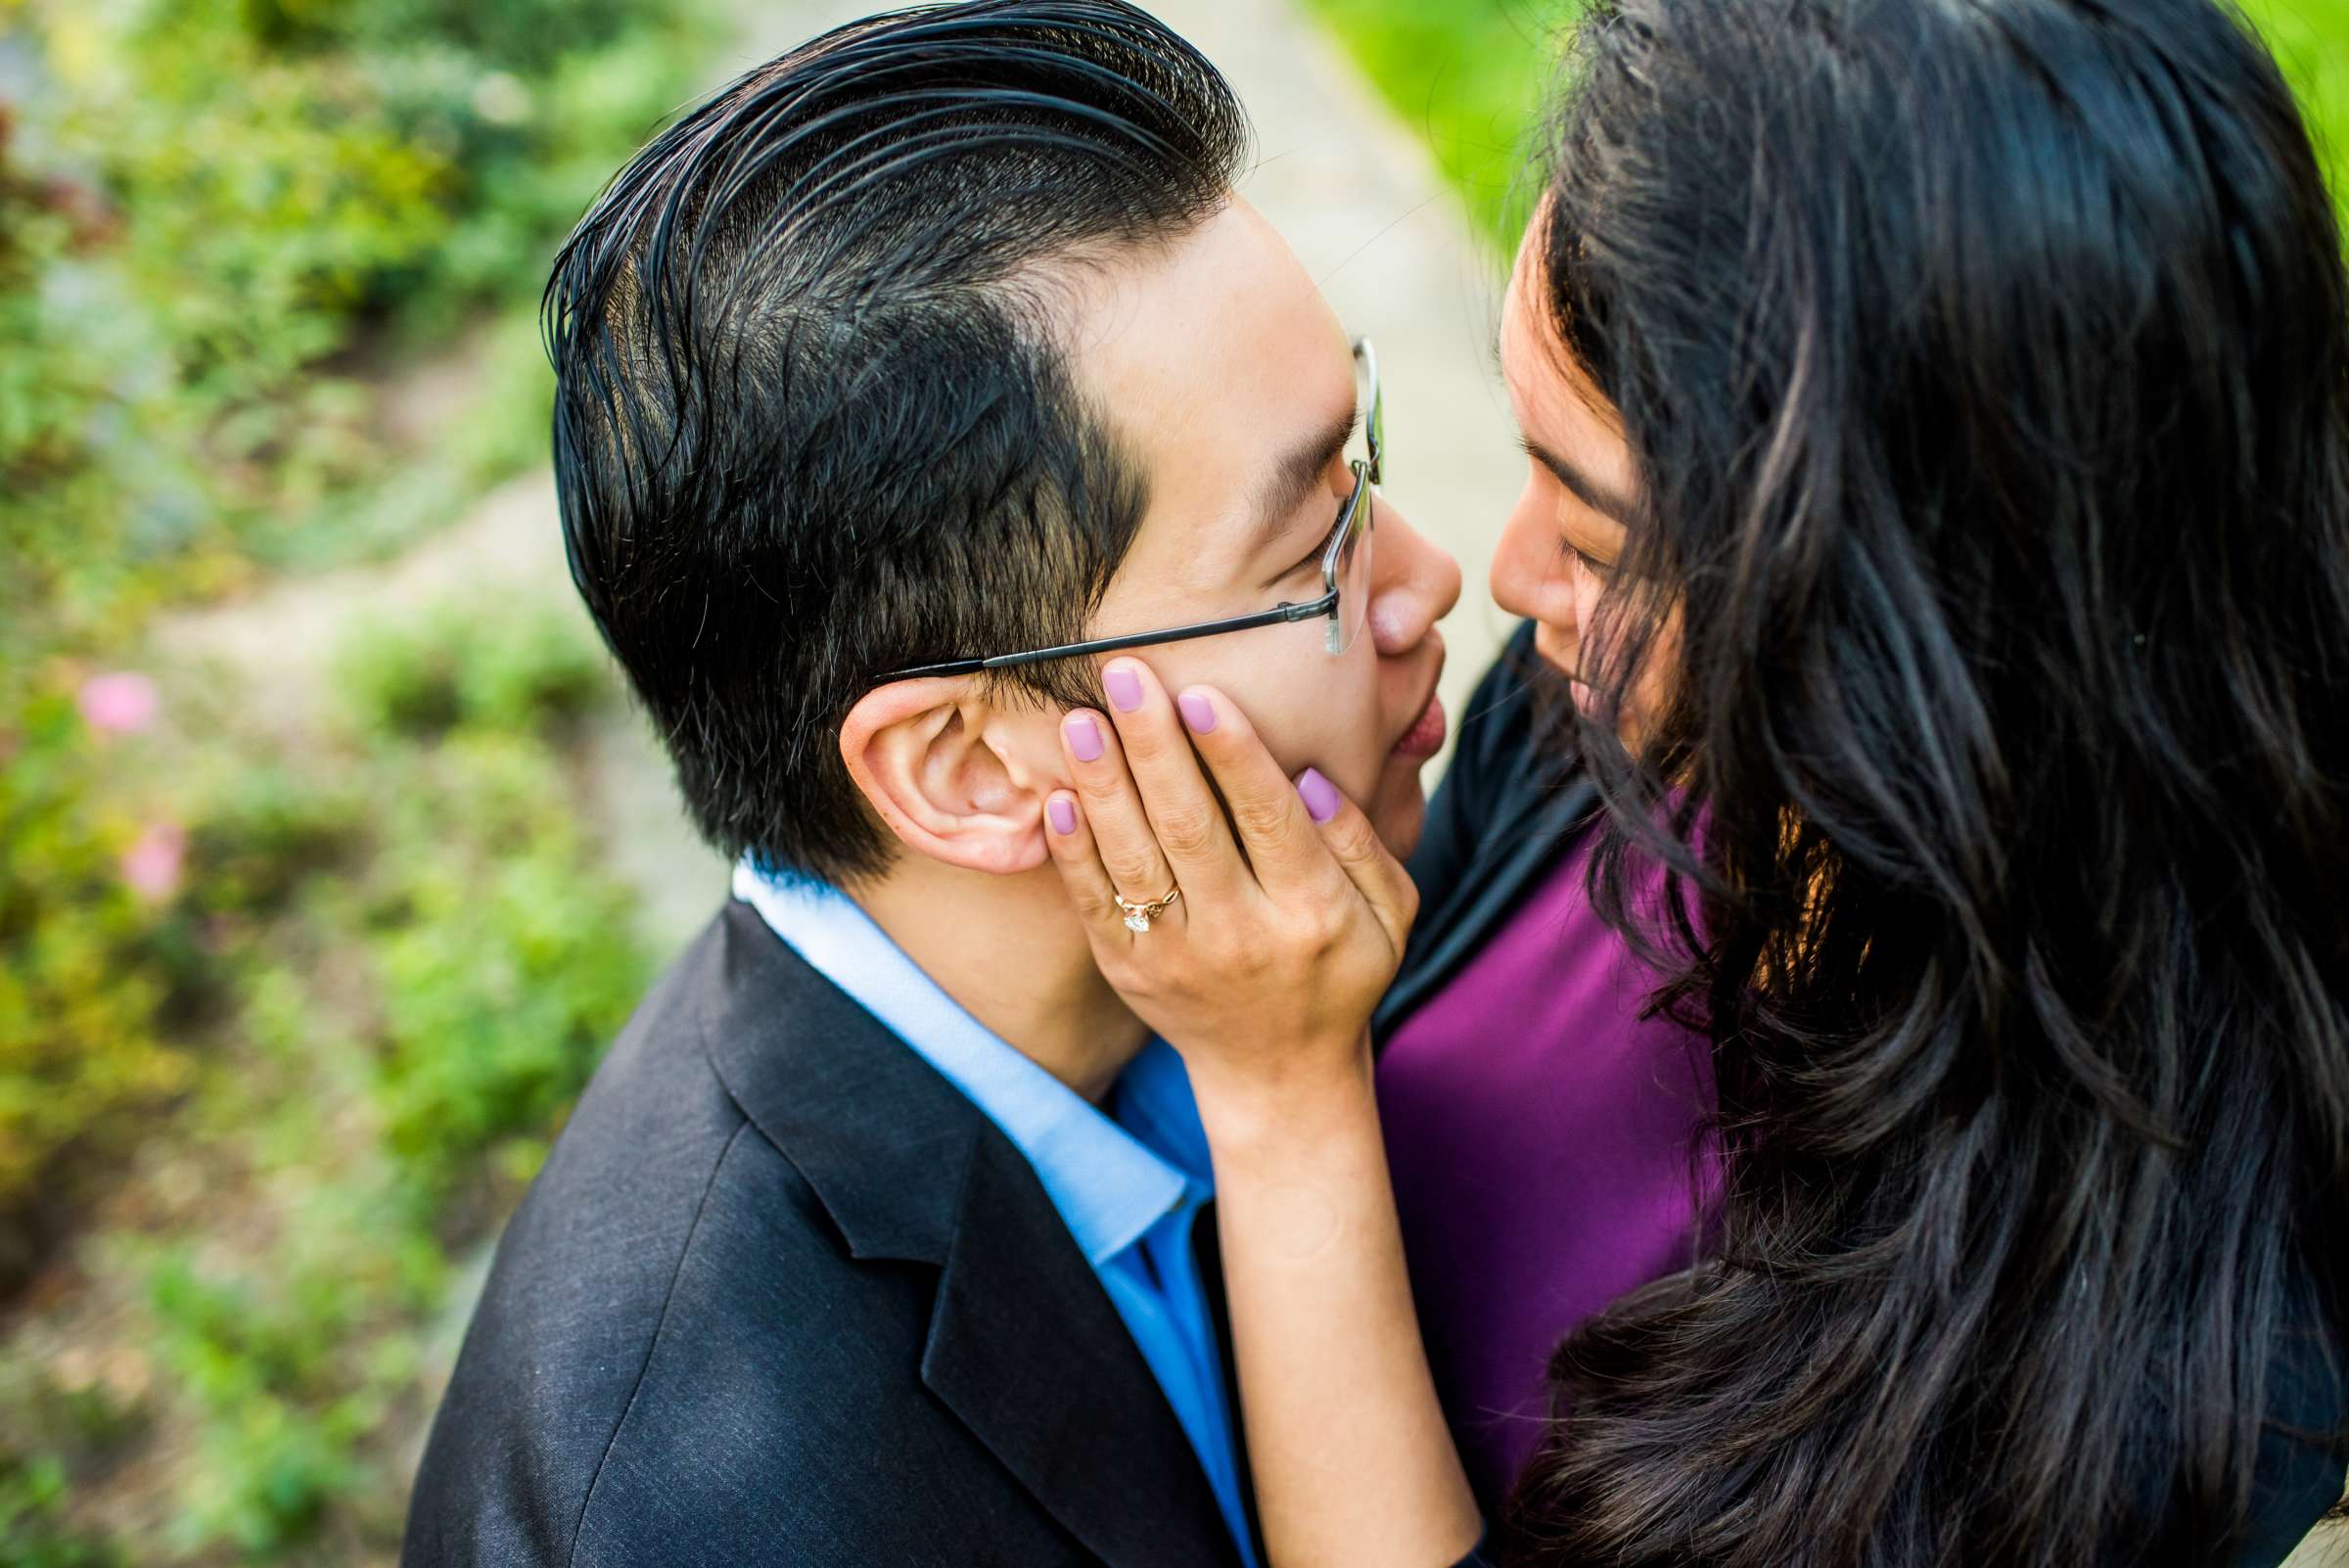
(1139, 915)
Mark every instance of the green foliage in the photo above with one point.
(473, 663)
(210, 216)
(214, 219)
(502, 975)
(267, 1475)
(502, 969)
(34, 1533)
(361, 974)
(418, 964)
(263, 828)
(1470, 76)
(1473, 78)
(279, 1439)
(263, 196)
(2311, 42)
(84, 964)
(65, 1423)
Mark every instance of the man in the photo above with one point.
(876, 1239)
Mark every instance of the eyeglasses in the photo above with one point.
(1345, 600)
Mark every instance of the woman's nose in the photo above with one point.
(1414, 583)
(1528, 578)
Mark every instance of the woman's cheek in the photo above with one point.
(1560, 635)
(1585, 594)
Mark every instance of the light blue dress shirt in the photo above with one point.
(1129, 1184)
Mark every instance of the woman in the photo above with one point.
(1939, 512)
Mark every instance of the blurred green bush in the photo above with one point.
(467, 662)
(33, 1531)
(88, 966)
(409, 959)
(2311, 39)
(288, 1013)
(1470, 77)
(218, 222)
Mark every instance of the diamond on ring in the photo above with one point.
(1139, 915)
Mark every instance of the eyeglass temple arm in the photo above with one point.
(1141, 639)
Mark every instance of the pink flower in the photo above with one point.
(155, 863)
(120, 704)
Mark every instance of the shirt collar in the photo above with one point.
(1110, 1182)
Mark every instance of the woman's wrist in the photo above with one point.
(1283, 1116)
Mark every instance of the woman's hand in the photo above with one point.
(1264, 974)
(1293, 915)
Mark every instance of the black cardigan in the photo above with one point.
(1510, 808)
(1506, 811)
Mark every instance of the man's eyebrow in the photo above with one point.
(1600, 498)
(1294, 478)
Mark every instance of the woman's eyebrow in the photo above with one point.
(1600, 498)
(1294, 476)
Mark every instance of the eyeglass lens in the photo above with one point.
(1353, 573)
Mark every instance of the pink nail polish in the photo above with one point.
(1084, 737)
(1124, 687)
(1063, 815)
(1197, 712)
(1320, 796)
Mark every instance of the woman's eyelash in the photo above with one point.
(1591, 563)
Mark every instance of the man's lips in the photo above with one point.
(1426, 737)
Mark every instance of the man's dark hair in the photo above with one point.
(812, 420)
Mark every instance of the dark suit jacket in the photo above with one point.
(783, 1295)
(1513, 802)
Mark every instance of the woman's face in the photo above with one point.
(1559, 549)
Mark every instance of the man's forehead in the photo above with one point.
(1224, 372)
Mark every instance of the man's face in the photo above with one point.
(1232, 385)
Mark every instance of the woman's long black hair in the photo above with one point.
(1986, 366)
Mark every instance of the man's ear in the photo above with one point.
(955, 777)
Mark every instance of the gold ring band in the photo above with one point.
(1139, 915)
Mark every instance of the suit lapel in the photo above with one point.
(1024, 1344)
(1027, 1349)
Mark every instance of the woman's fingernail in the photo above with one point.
(1084, 737)
(1320, 796)
(1197, 712)
(1124, 687)
(1063, 815)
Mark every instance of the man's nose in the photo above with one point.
(1414, 583)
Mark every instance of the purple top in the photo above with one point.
(1540, 1136)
